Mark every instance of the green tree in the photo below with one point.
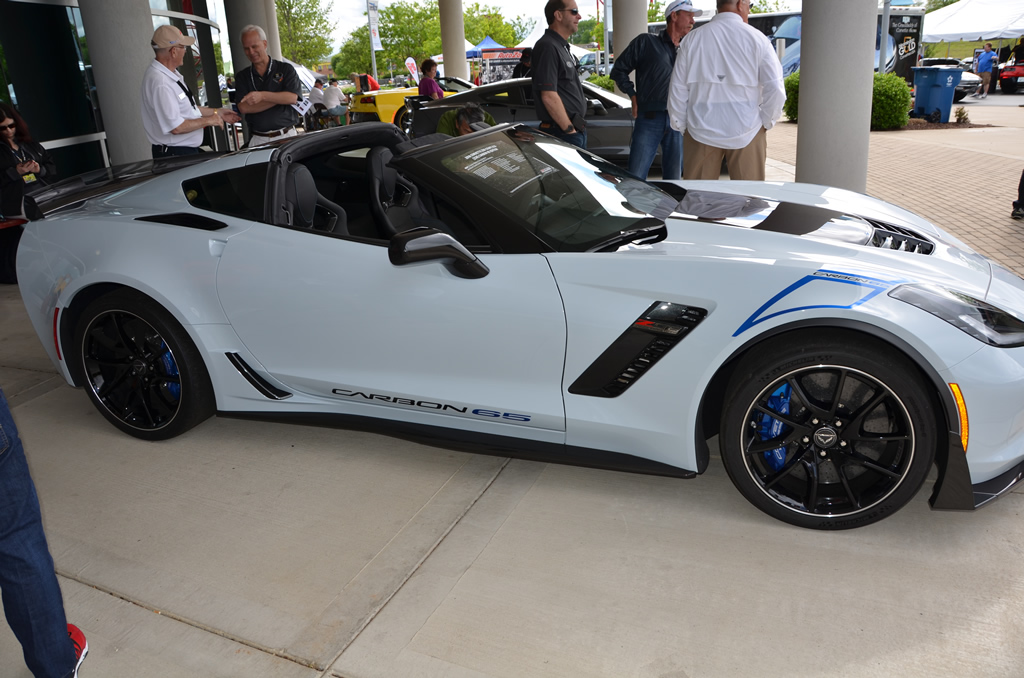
(305, 30)
(762, 6)
(590, 30)
(354, 56)
(522, 27)
(655, 11)
(933, 5)
(483, 21)
(413, 29)
(218, 58)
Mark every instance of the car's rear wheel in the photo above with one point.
(828, 433)
(140, 368)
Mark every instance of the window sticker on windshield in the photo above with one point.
(500, 165)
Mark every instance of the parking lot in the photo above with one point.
(246, 548)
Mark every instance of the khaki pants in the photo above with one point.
(705, 162)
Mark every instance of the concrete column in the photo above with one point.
(273, 32)
(629, 19)
(237, 15)
(837, 56)
(119, 34)
(453, 39)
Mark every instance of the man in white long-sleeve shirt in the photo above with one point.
(726, 92)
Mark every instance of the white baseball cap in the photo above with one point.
(682, 6)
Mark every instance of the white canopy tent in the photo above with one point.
(975, 20)
(538, 31)
(439, 58)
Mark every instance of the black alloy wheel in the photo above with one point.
(140, 368)
(828, 435)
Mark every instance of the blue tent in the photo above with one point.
(486, 43)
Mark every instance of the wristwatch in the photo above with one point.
(569, 130)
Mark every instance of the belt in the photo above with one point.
(275, 133)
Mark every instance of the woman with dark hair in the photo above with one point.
(429, 86)
(24, 166)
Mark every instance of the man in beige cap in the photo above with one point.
(172, 119)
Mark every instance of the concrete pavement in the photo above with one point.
(256, 549)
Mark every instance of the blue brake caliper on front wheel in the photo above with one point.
(171, 370)
(769, 427)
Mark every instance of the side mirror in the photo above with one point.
(430, 244)
(595, 107)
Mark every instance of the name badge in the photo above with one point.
(181, 95)
(28, 178)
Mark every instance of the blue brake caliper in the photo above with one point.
(769, 427)
(171, 370)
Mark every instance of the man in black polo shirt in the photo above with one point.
(266, 91)
(557, 90)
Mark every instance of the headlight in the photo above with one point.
(981, 320)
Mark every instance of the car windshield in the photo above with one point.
(570, 199)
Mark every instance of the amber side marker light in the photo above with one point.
(961, 408)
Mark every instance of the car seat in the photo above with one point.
(302, 198)
(394, 201)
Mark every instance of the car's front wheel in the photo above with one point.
(140, 368)
(402, 119)
(1008, 85)
(827, 432)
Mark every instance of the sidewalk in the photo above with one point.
(962, 180)
(264, 550)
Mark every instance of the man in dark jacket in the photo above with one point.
(652, 57)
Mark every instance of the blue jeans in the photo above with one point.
(32, 599)
(650, 130)
(577, 138)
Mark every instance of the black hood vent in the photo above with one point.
(892, 237)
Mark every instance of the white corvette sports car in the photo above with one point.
(508, 293)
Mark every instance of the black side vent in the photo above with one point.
(187, 220)
(892, 237)
(638, 349)
(258, 382)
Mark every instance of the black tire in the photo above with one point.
(1008, 85)
(852, 438)
(140, 368)
(402, 119)
(958, 96)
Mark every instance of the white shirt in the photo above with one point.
(165, 106)
(316, 95)
(726, 84)
(332, 96)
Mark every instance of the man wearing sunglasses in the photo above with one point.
(557, 91)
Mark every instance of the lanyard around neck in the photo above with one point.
(252, 71)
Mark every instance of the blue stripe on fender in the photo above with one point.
(872, 287)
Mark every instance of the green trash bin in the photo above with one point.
(933, 92)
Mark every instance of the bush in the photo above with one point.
(602, 81)
(890, 102)
(792, 105)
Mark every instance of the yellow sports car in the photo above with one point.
(388, 105)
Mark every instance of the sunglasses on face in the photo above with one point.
(11, 126)
(574, 11)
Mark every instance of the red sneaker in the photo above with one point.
(81, 646)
